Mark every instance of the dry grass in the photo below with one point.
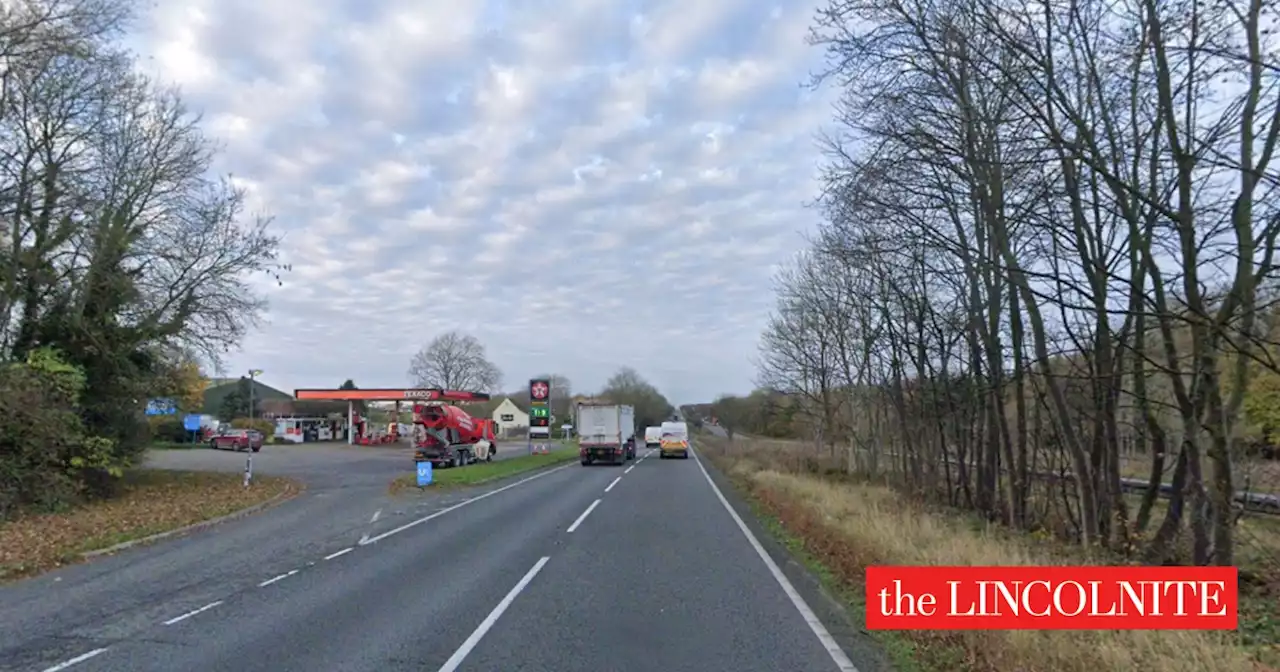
(152, 501)
(1259, 476)
(847, 526)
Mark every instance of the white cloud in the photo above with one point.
(580, 185)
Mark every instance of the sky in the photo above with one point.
(581, 185)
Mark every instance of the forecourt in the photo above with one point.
(643, 567)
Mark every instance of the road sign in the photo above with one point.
(539, 390)
(424, 474)
(161, 407)
(191, 423)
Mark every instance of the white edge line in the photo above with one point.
(191, 613)
(829, 643)
(461, 654)
(338, 553)
(583, 517)
(615, 482)
(457, 506)
(278, 578)
(78, 659)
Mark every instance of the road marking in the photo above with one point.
(374, 519)
(342, 552)
(189, 614)
(829, 643)
(278, 578)
(615, 482)
(461, 654)
(631, 467)
(78, 659)
(583, 517)
(457, 506)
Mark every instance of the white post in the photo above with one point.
(351, 422)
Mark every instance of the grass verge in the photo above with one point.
(151, 501)
(476, 474)
(840, 527)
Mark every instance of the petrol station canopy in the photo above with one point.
(386, 394)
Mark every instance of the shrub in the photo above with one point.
(46, 458)
(267, 427)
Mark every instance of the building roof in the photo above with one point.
(513, 403)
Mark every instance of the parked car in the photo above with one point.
(238, 439)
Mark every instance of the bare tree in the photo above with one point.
(455, 361)
(1047, 227)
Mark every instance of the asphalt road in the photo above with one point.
(644, 567)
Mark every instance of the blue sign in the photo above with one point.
(191, 423)
(424, 474)
(162, 407)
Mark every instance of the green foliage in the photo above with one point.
(627, 387)
(761, 413)
(47, 459)
(267, 427)
(236, 403)
(167, 428)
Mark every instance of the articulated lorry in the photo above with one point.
(606, 433)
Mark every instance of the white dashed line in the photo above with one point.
(615, 482)
(189, 614)
(824, 636)
(631, 467)
(278, 578)
(457, 506)
(339, 553)
(78, 659)
(461, 654)
(374, 519)
(583, 517)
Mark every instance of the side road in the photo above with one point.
(115, 595)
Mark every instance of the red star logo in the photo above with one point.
(540, 390)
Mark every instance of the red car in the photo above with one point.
(238, 439)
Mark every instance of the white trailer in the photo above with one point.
(606, 433)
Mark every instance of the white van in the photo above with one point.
(652, 437)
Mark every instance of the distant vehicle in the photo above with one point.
(606, 432)
(674, 441)
(652, 437)
(237, 439)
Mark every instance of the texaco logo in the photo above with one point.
(539, 390)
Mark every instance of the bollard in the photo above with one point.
(248, 469)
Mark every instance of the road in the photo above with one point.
(643, 567)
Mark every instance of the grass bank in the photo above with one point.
(476, 474)
(843, 526)
(151, 501)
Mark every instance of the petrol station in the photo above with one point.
(355, 422)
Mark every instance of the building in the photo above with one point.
(508, 417)
(218, 389)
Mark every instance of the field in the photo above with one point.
(842, 524)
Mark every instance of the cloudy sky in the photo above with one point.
(582, 184)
